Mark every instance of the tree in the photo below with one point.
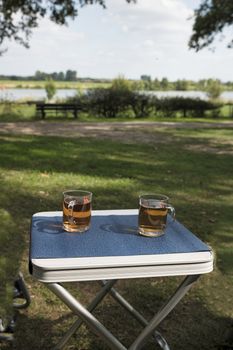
(201, 84)
(61, 76)
(210, 18)
(71, 75)
(50, 89)
(54, 76)
(121, 84)
(39, 75)
(156, 84)
(181, 85)
(214, 89)
(164, 83)
(145, 77)
(19, 17)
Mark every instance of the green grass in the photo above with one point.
(12, 112)
(18, 112)
(21, 84)
(193, 167)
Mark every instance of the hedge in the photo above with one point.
(111, 103)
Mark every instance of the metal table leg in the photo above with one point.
(76, 325)
(123, 302)
(85, 316)
(163, 312)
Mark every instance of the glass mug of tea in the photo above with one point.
(76, 210)
(153, 210)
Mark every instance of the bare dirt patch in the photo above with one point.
(127, 132)
(124, 132)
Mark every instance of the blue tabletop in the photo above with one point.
(109, 235)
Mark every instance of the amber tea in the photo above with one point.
(152, 219)
(76, 211)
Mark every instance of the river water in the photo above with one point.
(33, 94)
(39, 94)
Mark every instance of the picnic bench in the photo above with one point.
(44, 108)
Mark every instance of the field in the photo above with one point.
(21, 84)
(192, 166)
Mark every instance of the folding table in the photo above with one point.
(110, 250)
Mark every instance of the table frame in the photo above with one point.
(44, 270)
(85, 314)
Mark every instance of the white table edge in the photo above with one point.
(93, 213)
(51, 276)
(110, 267)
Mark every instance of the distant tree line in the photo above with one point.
(147, 83)
(69, 75)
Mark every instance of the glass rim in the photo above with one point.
(78, 193)
(154, 196)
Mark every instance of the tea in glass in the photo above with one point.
(153, 210)
(76, 210)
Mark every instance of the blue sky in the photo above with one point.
(150, 37)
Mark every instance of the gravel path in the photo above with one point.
(103, 129)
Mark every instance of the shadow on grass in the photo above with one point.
(190, 324)
(34, 172)
(89, 157)
(225, 260)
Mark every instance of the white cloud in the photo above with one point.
(49, 33)
(125, 28)
(149, 37)
(149, 43)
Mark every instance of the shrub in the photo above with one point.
(142, 105)
(169, 106)
(121, 99)
(120, 84)
(50, 89)
(110, 102)
(98, 102)
(214, 89)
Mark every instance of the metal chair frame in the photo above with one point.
(21, 300)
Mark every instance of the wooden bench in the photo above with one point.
(43, 108)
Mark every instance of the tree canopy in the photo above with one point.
(19, 17)
(210, 18)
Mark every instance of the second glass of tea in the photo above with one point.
(76, 210)
(153, 210)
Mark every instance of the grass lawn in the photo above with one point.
(18, 112)
(193, 167)
(22, 84)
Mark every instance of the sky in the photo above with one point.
(149, 37)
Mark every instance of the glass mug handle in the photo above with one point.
(172, 211)
(70, 210)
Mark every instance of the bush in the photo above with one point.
(142, 105)
(214, 89)
(50, 89)
(121, 100)
(110, 102)
(106, 102)
(170, 106)
(99, 102)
